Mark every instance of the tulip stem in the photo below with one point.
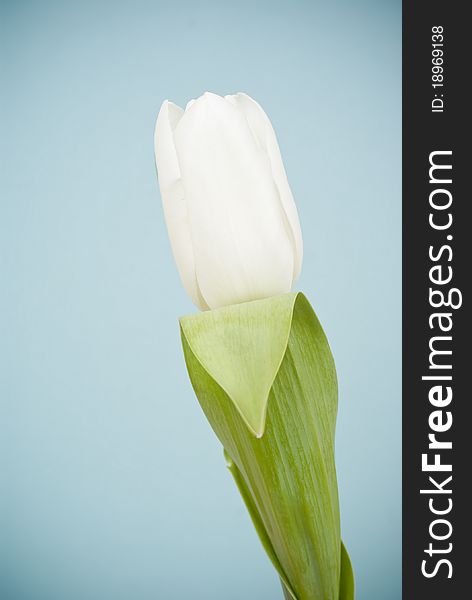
(287, 594)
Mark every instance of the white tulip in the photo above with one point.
(230, 214)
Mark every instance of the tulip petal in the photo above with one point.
(175, 209)
(241, 248)
(262, 129)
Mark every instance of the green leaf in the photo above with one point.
(241, 347)
(346, 584)
(265, 378)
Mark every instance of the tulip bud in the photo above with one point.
(230, 214)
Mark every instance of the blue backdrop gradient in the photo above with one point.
(113, 486)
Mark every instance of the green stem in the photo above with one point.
(287, 594)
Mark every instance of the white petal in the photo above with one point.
(262, 129)
(189, 104)
(175, 209)
(242, 251)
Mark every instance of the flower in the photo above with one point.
(230, 214)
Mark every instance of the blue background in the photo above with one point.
(112, 484)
